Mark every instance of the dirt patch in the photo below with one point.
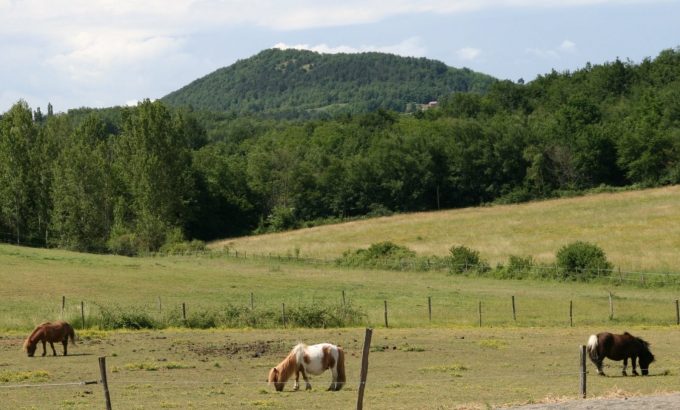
(237, 350)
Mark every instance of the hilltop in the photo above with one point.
(294, 83)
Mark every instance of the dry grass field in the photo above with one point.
(638, 230)
(451, 368)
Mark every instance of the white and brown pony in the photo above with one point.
(312, 360)
(59, 331)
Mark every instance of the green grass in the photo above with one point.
(638, 230)
(34, 281)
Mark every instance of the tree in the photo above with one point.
(82, 191)
(153, 162)
(17, 140)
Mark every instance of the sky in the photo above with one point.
(102, 53)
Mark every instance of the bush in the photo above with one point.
(386, 255)
(185, 247)
(132, 318)
(463, 259)
(519, 266)
(581, 260)
(125, 244)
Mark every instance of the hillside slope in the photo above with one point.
(637, 230)
(291, 83)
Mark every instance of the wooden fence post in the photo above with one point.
(283, 314)
(160, 307)
(582, 378)
(514, 315)
(343, 298)
(82, 313)
(252, 301)
(184, 311)
(63, 305)
(105, 383)
(611, 307)
(677, 313)
(429, 307)
(386, 324)
(480, 313)
(571, 313)
(364, 368)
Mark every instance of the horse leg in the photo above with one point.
(308, 385)
(296, 386)
(334, 384)
(44, 350)
(54, 352)
(625, 366)
(599, 368)
(633, 359)
(65, 343)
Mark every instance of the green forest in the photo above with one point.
(146, 178)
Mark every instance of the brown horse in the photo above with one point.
(59, 331)
(619, 347)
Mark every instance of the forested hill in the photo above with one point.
(296, 83)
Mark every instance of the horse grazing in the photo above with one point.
(619, 347)
(59, 331)
(313, 360)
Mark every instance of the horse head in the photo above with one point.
(646, 358)
(274, 378)
(30, 348)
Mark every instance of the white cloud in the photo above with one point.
(566, 47)
(91, 55)
(468, 53)
(410, 47)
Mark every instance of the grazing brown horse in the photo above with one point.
(59, 331)
(619, 347)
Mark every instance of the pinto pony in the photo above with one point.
(313, 360)
(619, 347)
(59, 331)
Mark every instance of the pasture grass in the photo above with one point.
(456, 368)
(638, 230)
(34, 281)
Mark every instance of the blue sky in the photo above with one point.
(99, 53)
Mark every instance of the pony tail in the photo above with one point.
(72, 334)
(591, 347)
(341, 369)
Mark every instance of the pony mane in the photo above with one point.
(29, 339)
(287, 367)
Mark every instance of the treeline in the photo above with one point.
(138, 179)
(296, 84)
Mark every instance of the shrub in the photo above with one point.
(386, 255)
(581, 260)
(463, 259)
(519, 266)
(132, 318)
(125, 244)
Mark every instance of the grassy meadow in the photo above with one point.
(449, 361)
(638, 230)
